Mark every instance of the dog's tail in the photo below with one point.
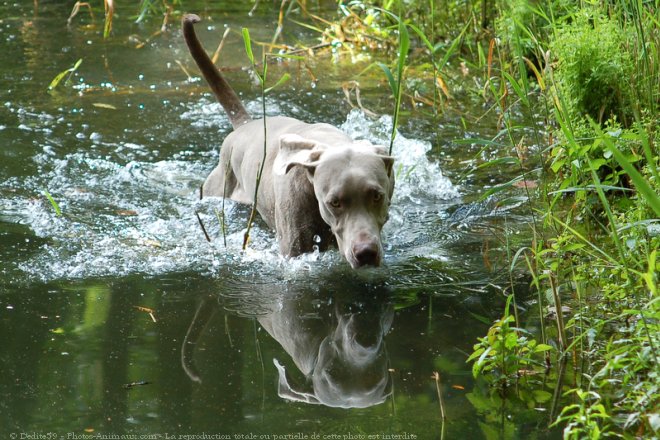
(221, 88)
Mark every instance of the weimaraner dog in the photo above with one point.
(318, 185)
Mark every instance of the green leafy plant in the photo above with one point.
(588, 418)
(593, 68)
(507, 351)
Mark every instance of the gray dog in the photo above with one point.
(317, 185)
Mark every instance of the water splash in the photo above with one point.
(124, 214)
(418, 178)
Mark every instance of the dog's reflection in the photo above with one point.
(335, 341)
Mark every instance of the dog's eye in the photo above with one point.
(335, 203)
(378, 196)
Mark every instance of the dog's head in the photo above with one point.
(353, 184)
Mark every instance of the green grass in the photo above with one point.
(593, 251)
(53, 203)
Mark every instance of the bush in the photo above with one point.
(593, 69)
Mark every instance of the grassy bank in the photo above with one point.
(595, 244)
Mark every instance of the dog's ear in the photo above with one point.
(389, 164)
(378, 149)
(292, 143)
(286, 391)
(295, 150)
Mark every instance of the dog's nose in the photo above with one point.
(366, 253)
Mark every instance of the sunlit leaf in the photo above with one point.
(390, 77)
(542, 347)
(284, 78)
(248, 44)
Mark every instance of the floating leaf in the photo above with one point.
(529, 184)
(103, 105)
(60, 76)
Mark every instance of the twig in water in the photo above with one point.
(147, 310)
(184, 69)
(76, 9)
(436, 376)
(216, 54)
(254, 8)
(280, 25)
(109, 14)
(223, 220)
(129, 386)
(391, 373)
(166, 16)
(199, 219)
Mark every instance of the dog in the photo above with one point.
(318, 186)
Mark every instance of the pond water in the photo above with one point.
(118, 317)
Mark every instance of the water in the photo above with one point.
(119, 317)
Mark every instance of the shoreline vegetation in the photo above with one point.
(590, 71)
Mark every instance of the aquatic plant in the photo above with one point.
(507, 353)
(592, 68)
(68, 73)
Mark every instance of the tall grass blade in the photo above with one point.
(608, 212)
(56, 207)
(390, 78)
(109, 13)
(404, 46)
(518, 88)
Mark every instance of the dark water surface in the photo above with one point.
(118, 317)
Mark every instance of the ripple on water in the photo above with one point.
(139, 217)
